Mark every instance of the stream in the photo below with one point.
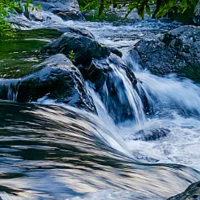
(50, 150)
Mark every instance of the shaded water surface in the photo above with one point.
(20, 52)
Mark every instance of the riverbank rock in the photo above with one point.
(58, 79)
(81, 42)
(67, 14)
(191, 193)
(62, 4)
(174, 52)
(66, 9)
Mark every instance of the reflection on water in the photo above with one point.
(48, 152)
(20, 53)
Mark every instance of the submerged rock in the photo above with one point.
(175, 51)
(151, 135)
(58, 79)
(191, 193)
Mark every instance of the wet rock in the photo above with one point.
(105, 75)
(80, 31)
(151, 135)
(81, 42)
(191, 193)
(34, 13)
(175, 51)
(116, 51)
(64, 4)
(68, 14)
(66, 9)
(58, 79)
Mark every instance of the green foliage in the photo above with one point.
(6, 7)
(12, 6)
(142, 6)
(175, 6)
(5, 28)
(72, 56)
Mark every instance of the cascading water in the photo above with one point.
(132, 96)
(60, 152)
(173, 119)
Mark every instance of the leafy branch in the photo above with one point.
(12, 6)
(142, 6)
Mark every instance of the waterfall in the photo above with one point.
(170, 93)
(132, 96)
(8, 89)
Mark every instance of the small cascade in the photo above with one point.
(169, 94)
(12, 95)
(131, 94)
(117, 88)
(8, 89)
(165, 95)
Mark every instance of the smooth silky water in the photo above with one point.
(53, 151)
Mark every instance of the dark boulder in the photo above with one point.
(67, 14)
(58, 79)
(81, 42)
(175, 51)
(81, 31)
(151, 135)
(191, 193)
(116, 51)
